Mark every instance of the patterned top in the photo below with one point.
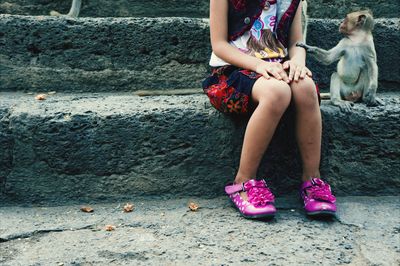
(260, 41)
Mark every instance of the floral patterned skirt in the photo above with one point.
(229, 89)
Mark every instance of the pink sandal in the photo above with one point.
(260, 203)
(318, 198)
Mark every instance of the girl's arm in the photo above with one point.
(297, 55)
(230, 54)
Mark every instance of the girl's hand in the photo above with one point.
(272, 68)
(296, 70)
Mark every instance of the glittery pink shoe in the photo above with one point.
(260, 202)
(318, 198)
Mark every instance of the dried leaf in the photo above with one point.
(40, 97)
(51, 92)
(193, 206)
(87, 209)
(128, 207)
(109, 227)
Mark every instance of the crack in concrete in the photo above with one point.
(359, 256)
(92, 227)
(351, 225)
(43, 232)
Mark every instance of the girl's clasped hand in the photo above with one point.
(288, 71)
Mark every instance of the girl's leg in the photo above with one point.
(272, 98)
(308, 126)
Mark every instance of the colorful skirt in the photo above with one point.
(229, 89)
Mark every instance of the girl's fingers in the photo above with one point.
(286, 65)
(265, 75)
(297, 74)
(291, 72)
(284, 75)
(303, 73)
(309, 73)
(274, 73)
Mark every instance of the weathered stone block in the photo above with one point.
(6, 146)
(106, 54)
(184, 8)
(104, 146)
(102, 54)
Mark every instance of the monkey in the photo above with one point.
(73, 12)
(356, 78)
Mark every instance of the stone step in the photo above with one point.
(104, 146)
(125, 54)
(183, 8)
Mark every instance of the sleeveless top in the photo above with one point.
(260, 40)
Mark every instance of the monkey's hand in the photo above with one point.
(305, 46)
(345, 106)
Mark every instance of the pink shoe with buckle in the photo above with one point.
(318, 198)
(260, 202)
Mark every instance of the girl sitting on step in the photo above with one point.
(257, 69)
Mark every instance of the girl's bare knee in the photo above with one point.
(304, 93)
(272, 89)
(276, 97)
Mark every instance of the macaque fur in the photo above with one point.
(357, 71)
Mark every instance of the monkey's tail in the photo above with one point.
(305, 19)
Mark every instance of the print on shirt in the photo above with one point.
(262, 43)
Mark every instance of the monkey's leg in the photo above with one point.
(370, 99)
(335, 90)
(369, 82)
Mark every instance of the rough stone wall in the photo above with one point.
(339, 8)
(184, 8)
(120, 54)
(102, 54)
(111, 8)
(361, 146)
(6, 145)
(99, 146)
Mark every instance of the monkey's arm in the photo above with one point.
(326, 57)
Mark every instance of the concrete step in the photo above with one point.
(183, 8)
(125, 54)
(105, 146)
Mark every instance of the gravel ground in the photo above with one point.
(166, 232)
